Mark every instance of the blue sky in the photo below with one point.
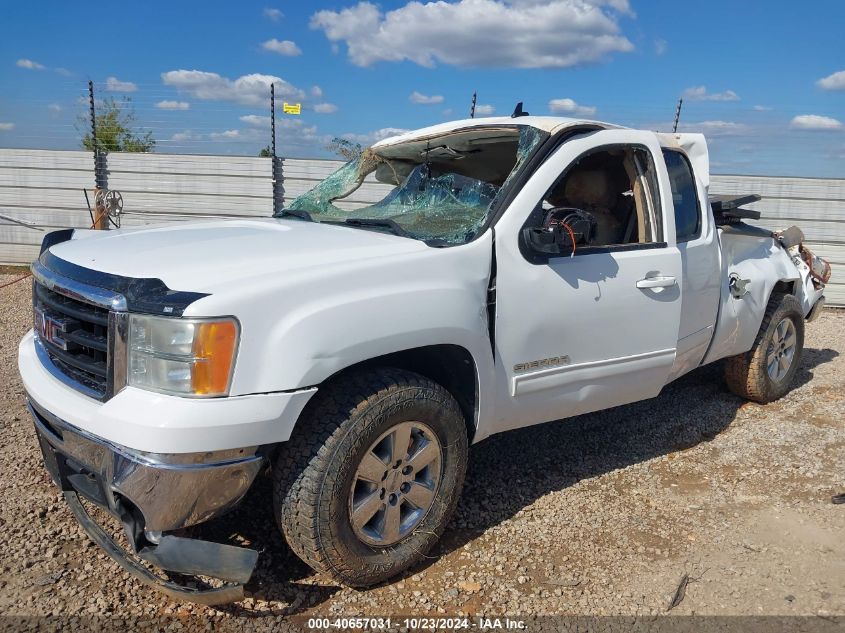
(764, 80)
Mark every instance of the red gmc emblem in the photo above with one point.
(52, 330)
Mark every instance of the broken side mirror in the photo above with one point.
(542, 241)
(564, 230)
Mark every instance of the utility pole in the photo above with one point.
(472, 107)
(100, 178)
(273, 122)
(278, 183)
(677, 115)
(93, 120)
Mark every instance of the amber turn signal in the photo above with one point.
(214, 355)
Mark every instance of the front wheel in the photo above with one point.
(372, 475)
(765, 373)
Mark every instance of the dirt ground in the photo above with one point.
(605, 514)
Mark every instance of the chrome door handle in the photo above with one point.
(656, 282)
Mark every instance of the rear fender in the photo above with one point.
(759, 265)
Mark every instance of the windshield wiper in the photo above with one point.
(294, 213)
(375, 223)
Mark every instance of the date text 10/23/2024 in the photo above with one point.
(419, 623)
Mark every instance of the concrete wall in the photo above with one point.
(45, 188)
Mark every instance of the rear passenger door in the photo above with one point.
(597, 327)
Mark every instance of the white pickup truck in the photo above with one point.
(519, 270)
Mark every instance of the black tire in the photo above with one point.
(747, 374)
(316, 468)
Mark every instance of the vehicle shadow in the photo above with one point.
(508, 472)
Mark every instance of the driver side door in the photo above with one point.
(584, 331)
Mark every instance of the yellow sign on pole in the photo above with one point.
(292, 108)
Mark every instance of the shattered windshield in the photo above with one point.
(438, 189)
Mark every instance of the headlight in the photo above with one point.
(193, 357)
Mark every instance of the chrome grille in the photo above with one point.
(74, 336)
(80, 333)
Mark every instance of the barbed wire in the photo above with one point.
(239, 124)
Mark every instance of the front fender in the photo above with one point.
(300, 329)
(320, 340)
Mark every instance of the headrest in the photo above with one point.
(589, 189)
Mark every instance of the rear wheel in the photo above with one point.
(765, 373)
(372, 475)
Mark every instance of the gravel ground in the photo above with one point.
(602, 514)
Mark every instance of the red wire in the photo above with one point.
(16, 280)
(571, 234)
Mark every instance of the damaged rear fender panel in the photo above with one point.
(762, 262)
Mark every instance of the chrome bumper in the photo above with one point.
(150, 494)
(170, 491)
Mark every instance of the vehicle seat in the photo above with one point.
(593, 191)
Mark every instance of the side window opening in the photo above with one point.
(605, 198)
(684, 196)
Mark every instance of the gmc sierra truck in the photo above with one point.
(517, 270)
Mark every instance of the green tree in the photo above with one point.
(345, 148)
(265, 152)
(116, 129)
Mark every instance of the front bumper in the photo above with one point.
(151, 494)
(170, 491)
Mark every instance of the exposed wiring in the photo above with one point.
(571, 235)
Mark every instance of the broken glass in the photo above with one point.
(433, 202)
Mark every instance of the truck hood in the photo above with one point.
(210, 255)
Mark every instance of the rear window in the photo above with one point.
(684, 196)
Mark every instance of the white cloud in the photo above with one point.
(715, 128)
(419, 98)
(247, 90)
(29, 64)
(282, 47)
(325, 108)
(290, 132)
(480, 33)
(316, 92)
(83, 101)
(113, 84)
(836, 81)
(187, 135)
(762, 108)
(375, 136)
(660, 46)
(64, 72)
(815, 122)
(55, 108)
(447, 112)
(274, 15)
(228, 134)
(482, 109)
(699, 93)
(5, 127)
(173, 105)
(568, 106)
(256, 120)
